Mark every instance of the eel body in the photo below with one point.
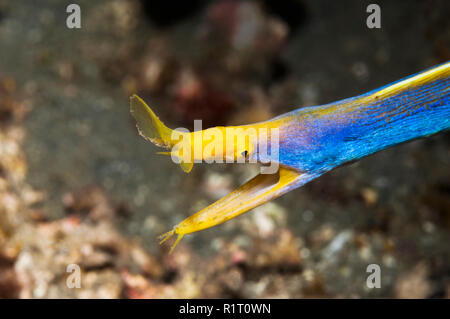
(310, 141)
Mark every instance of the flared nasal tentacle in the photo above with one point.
(151, 128)
(149, 125)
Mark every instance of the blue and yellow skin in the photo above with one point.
(315, 140)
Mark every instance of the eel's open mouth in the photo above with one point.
(257, 191)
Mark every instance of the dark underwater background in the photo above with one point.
(78, 185)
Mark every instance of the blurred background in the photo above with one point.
(78, 185)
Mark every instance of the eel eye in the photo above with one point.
(244, 154)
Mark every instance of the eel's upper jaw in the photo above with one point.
(259, 190)
(149, 125)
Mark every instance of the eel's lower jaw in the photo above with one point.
(257, 191)
(169, 234)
